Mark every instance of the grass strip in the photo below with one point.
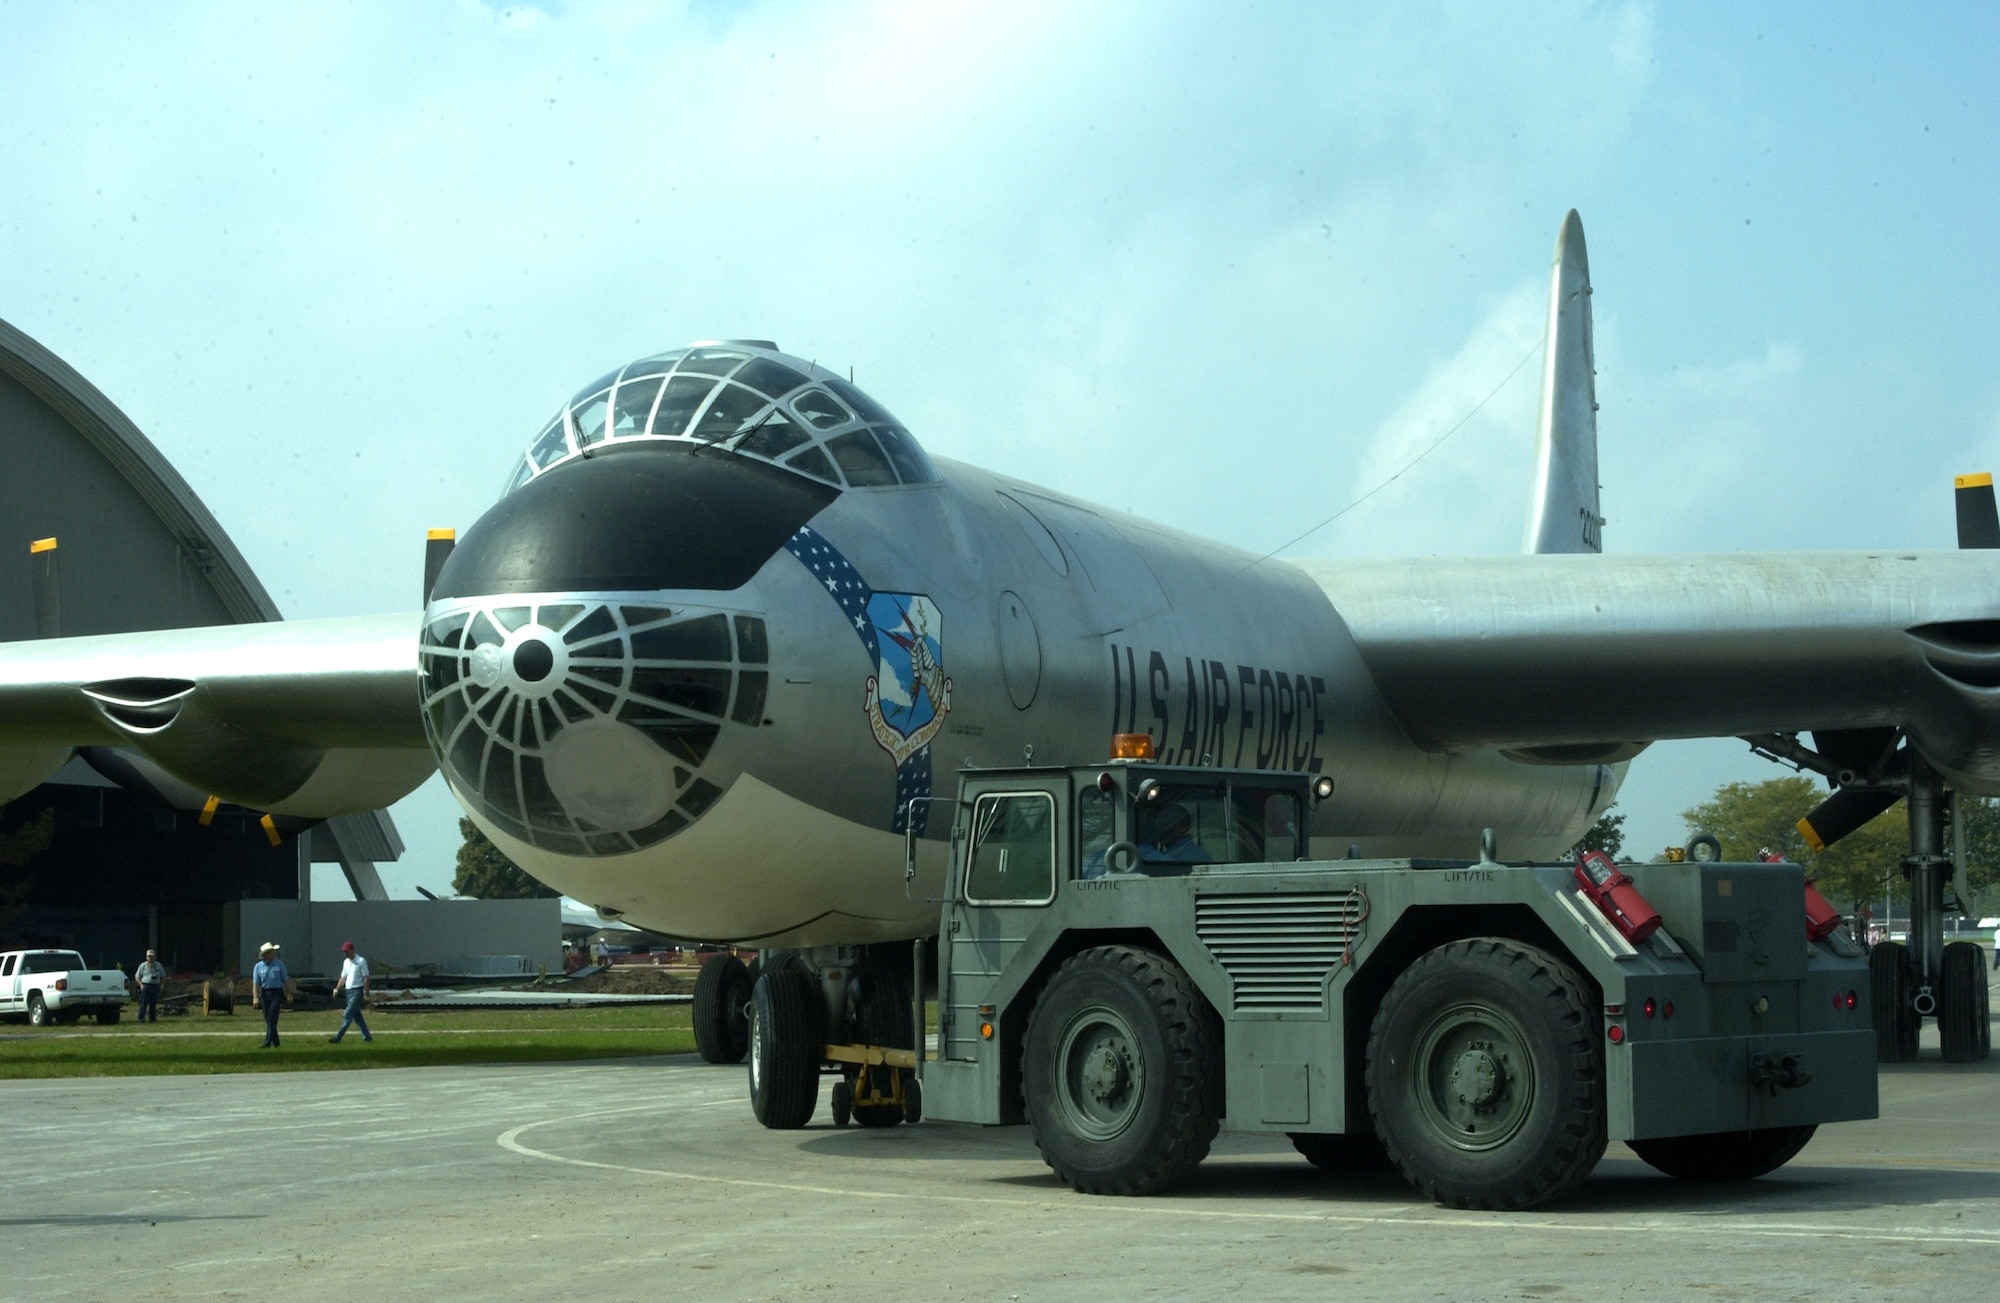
(201, 1046)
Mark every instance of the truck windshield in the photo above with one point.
(1203, 824)
(53, 961)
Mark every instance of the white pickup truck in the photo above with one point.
(49, 986)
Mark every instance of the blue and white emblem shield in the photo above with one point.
(908, 696)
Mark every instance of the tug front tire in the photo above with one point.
(1122, 1072)
(1965, 1029)
(784, 1047)
(1726, 1155)
(1485, 1075)
(721, 1010)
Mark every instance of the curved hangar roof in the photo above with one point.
(138, 548)
(743, 396)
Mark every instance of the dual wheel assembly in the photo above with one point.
(1959, 1003)
(784, 1030)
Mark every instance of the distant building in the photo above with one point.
(132, 862)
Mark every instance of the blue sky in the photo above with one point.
(1228, 266)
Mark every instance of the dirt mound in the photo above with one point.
(627, 979)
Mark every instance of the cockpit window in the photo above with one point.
(745, 399)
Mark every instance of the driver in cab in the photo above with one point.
(1166, 840)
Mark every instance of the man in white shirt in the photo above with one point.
(354, 981)
(268, 980)
(149, 976)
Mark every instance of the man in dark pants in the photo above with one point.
(150, 975)
(268, 980)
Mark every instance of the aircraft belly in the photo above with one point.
(759, 868)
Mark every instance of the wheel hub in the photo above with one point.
(1104, 1073)
(1476, 1079)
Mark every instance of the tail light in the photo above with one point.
(1845, 1000)
(62, 984)
(1648, 1007)
(1615, 896)
(1821, 918)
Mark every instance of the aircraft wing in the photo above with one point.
(307, 718)
(1572, 658)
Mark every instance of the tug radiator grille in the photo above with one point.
(1278, 950)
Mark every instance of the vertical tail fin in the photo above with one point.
(1563, 515)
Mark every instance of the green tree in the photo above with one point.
(1749, 817)
(1982, 851)
(1607, 835)
(484, 871)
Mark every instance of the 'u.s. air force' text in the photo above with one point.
(1210, 712)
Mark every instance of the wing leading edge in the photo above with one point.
(309, 718)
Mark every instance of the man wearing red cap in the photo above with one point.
(354, 981)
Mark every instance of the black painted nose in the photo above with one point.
(633, 519)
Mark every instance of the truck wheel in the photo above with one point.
(1889, 996)
(1350, 1154)
(784, 1047)
(881, 1016)
(108, 1018)
(38, 1013)
(1964, 1024)
(1122, 1072)
(721, 1018)
(1485, 1075)
(1726, 1155)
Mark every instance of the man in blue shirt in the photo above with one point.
(268, 980)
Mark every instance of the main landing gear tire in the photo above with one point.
(784, 1047)
(1965, 1029)
(1486, 1076)
(721, 1010)
(1725, 1155)
(1122, 1072)
(38, 1013)
(1351, 1154)
(880, 1016)
(1896, 1022)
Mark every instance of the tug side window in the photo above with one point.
(1013, 849)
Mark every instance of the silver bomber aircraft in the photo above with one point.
(728, 627)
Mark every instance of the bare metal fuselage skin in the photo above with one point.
(1042, 623)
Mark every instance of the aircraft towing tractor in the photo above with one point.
(1133, 955)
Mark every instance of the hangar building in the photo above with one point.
(133, 549)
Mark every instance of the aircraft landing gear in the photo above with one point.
(845, 1007)
(722, 1009)
(1928, 978)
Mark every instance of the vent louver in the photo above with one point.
(1277, 949)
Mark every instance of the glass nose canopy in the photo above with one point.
(747, 399)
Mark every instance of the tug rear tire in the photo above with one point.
(1486, 1075)
(1725, 1155)
(1122, 1072)
(784, 1047)
(1965, 1029)
(1896, 1022)
(721, 1012)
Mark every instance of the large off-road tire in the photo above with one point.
(721, 1010)
(784, 1047)
(1896, 1022)
(1122, 1072)
(1965, 1029)
(880, 1015)
(1352, 1154)
(1486, 1075)
(38, 1013)
(1725, 1155)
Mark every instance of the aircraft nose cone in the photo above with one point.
(635, 519)
(533, 660)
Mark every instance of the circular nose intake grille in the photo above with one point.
(582, 727)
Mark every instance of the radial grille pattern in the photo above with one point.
(581, 726)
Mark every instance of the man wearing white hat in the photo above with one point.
(268, 980)
(149, 976)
